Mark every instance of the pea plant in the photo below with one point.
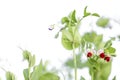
(99, 53)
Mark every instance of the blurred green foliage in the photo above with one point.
(102, 22)
(10, 76)
(39, 72)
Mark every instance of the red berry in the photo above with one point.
(107, 58)
(102, 55)
(89, 54)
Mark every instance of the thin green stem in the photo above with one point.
(92, 76)
(75, 63)
(29, 73)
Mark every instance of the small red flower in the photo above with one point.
(102, 55)
(89, 54)
(107, 58)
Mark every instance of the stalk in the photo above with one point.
(75, 63)
(92, 76)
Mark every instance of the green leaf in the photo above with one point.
(26, 55)
(95, 14)
(37, 72)
(67, 39)
(67, 44)
(75, 34)
(64, 20)
(68, 36)
(10, 76)
(57, 35)
(26, 74)
(94, 39)
(89, 36)
(102, 22)
(73, 16)
(31, 60)
(111, 51)
(86, 13)
(49, 76)
(108, 44)
(82, 78)
(114, 78)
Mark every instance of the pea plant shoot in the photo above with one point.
(99, 53)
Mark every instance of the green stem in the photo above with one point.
(92, 76)
(75, 63)
(29, 73)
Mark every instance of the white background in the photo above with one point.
(24, 23)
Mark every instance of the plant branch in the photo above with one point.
(75, 63)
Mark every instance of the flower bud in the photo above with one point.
(102, 55)
(107, 58)
(89, 54)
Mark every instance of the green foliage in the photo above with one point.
(102, 22)
(101, 72)
(65, 20)
(26, 74)
(67, 40)
(94, 38)
(30, 58)
(108, 44)
(39, 71)
(70, 33)
(57, 35)
(10, 76)
(88, 13)
(49, 76)
(96, 14)
(70, 20)
(114, 78)
(82, 78)
(118, 37)
(99, 65)
(109, 49)
(70, 37)
(73, 17)
(80, 63)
